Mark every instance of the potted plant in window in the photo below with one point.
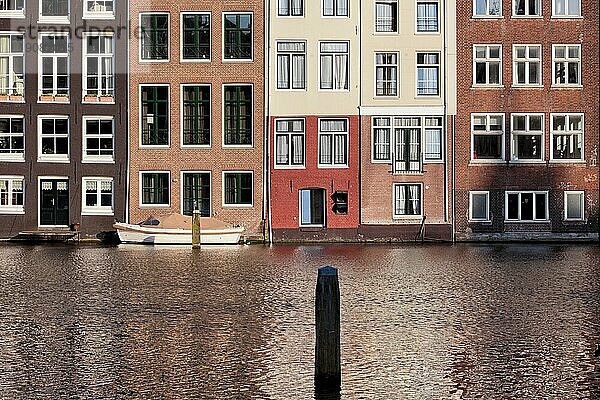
(106, 98)
(61, 97)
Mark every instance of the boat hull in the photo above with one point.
(146, 235)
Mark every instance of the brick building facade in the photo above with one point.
(197, 111)
(527, 120)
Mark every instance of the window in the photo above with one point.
(12, 8)
(479, 206)
(51, 9)
(291, 58)
(196, 115)
(527, 61)
(487, 8)
(289, 143)
(99, 9)
(567, 136)
(382, 138)
(386, 74)
(12, 138)
(407, 149)
(238, 115)
(527, 137)
(155, 115)
(526, 206)
(333, 142)
(196, 193)
(54, 66)
(154, 36)
(12, 199)
(340, 202)
(312, 207)
(487, 141)
(433, 139)
(335, 8)
(237, 189)
(155, 189)
(97, 196)
(566, 8)
(566, 65)
(238, 37)
(527, 8)
(11, 65)
(290, 8)
(427, 16)
(98, 56)
(487, 62)
(98, 139)
(386, 16)
(428, 67)
(407, 200)
(196, 37)
(53, 142)
(334, 65)
(574, 206)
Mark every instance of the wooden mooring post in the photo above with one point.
(328, 373)
(196, 229)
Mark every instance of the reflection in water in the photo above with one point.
(418, 322)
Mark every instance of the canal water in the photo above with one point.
(418, 322)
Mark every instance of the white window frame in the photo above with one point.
(581, 195)
(12, 79)
(390, 144)
(60, 19)
(210, 39)
(438, 19)
(325, 208)
(333, 56)
(12, 208)
(16, 13)
(289, 135)
(395, 18)
(181, 187)
(54, 158)
(488, 132)
(566, 60)
(527, 60)
(252, 28)
(566, 14)
(233, 146)
(487, 14)
(139, 32)
(141, 193)
(527, 132)
(527, 15)
(335, 9)
(421, 202)
(395, 67)
(87, 14)
(97, 158)
(55, 57)
(230, 206)
(289, 7)
(291, 69)
(521, 192)
(333, 134)
(102, 91)
(487, 60)
(429, 66)
(567, 132)
(14, 156)
(140, 133)
(196, 146)
(98, 209)
(425, 128)
(487, 206)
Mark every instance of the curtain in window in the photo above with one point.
(283, 68)
(325, 149)
(298, 71)
(341, 72)
(297, 150)
(414, 208)
(296, 7)
(415, 151)
(340, 149)
(284, 7)
(383, 21)
(327, 7)
(4, 64)
(107, 74)
(381, 142)
(342, 7)
(432, 143)
(282, 149)
(326, 72)
(400, 200)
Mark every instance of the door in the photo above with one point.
(54, 202)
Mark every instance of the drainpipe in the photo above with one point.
(445, 112)
(267, 125)
(360, 89)
(128, 147)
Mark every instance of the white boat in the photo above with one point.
(177, 229)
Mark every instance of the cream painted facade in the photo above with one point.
(313, 28)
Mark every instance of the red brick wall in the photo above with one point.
(551, 176)
(286, 183)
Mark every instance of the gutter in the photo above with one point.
(127, 130)
(267, 215)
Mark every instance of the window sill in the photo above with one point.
(242, 206)
(195, 146)
(427, 33)
(154, 146)
(537, 221)
(384, 97)
(566, 17)
(289, 167)
(574, 161)
(385, 33)
(12, 99)
(312, 228)
(291, 90)
(53, 160)
(97, 212)
(320, 166)
(408, 218)
(524, 86)
(98, 99)
(238, 146)
(383, 162)
(155, 206)
(152, 61)
(53, 20)
(237, 61)
(290, 16)
(12, 210)
(99, 15)
(486, 162)
(484, 17)
(433, 161)
(527, 17)
(98, 161)
(527, 162)
(195, 60)
(12, 14)
(54, 99)
(334, 90)
(7, 158)
(335, 16)
(489, 87)
(480, 221)
(568, 87)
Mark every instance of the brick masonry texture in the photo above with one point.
(215, 159)
(551, 176)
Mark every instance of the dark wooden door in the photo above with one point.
(54, 202)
